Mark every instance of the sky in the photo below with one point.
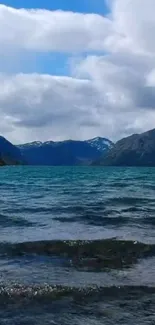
(76, 69)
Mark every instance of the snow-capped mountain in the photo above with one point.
(100, 144)
(30, 144)
(69, 152)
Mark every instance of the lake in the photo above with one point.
(77, 245)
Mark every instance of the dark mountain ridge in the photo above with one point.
(135, 150)
(9, 154)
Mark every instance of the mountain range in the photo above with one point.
(50, 153)
(69, 152)
(134, 150)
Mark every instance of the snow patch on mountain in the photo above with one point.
(101, 144)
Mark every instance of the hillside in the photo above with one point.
(135, 150)
(9, 154)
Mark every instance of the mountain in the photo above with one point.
(70, 152)
(9, 154)
(135, 150)
(100, 144)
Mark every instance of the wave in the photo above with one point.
(49, 292)
(95, 219)
(69, 305)
(6, 221)
(127, 200)
(91, 255)
(106, 215)
(133, 203)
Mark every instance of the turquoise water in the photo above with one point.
(77, 245)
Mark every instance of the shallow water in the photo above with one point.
(77, 245)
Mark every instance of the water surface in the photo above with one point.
(77, 245)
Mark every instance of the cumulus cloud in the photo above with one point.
(121, 79)
(62, 104)
(43, 30)
(134, 21)
(111, 95)
(48, 107)
(129, 27)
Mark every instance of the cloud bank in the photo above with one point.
(109, 92)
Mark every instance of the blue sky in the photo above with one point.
(86, 6)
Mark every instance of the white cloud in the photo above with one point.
(46, 107)
(121, 79)
(134, 22)
(111, 95)
(129, 27)
(62, 105)
(43, 30)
